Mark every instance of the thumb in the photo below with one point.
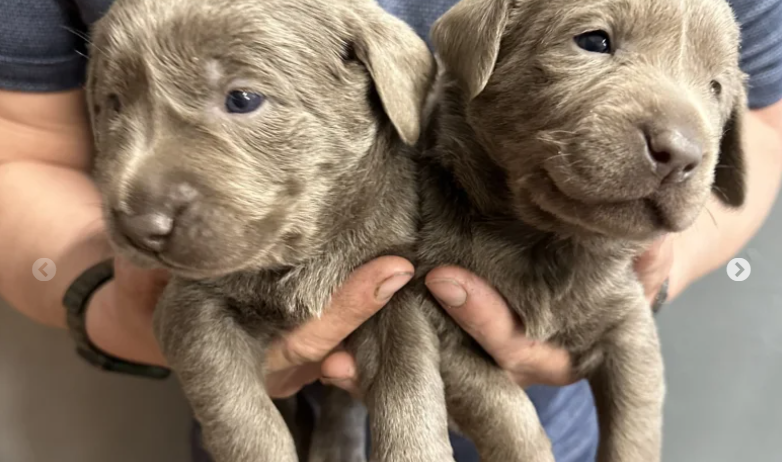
(477, 308)
(364, 293)
(483, 313)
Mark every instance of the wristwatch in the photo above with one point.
(76, 300)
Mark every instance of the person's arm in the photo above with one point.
(49, 208)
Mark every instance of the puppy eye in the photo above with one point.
(595, 42)
(716, 88)
(242, 102)
(114, 103)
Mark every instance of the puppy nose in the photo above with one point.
(674, 154)
(153, 212)
(148, 231)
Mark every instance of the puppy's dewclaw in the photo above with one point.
(240, 144)
(564, 137)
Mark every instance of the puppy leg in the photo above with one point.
(397, 353)
(340, 431)
(219, 367)
(629, 389)
(492, 411)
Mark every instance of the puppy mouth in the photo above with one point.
(647, 212)
(659, 218)
(149, 258)
(161, 259)
(203, 253)
(648, 200)
(146, 257)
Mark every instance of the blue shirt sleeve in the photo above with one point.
(761, 53)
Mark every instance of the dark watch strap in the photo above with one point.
(76, 300)
(661, 298)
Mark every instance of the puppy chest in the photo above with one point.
(558, 290)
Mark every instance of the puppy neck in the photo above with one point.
(381, 183)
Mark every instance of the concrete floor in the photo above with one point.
(722, 342)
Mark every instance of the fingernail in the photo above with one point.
(448, 292)
(390, 286)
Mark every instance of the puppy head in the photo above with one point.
(221, 126)
(614, 116)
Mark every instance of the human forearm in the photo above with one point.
(46, 211)
(719, 233)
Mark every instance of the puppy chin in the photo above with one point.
(209, 259)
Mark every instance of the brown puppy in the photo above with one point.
(564, 137)
(260, 151)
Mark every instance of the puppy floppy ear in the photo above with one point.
(400, 64)
(729, 177)
(467, 40)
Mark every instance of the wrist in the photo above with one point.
(125, 334)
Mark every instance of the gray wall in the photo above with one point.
(54, 408)
(722, 343)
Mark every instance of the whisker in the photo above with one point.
(713, 219)
(561, 155)
(719, 190)
(86, 39)
(76, 32)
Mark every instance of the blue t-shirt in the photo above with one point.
(41, 46)
(40, 42)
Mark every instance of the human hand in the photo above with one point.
(482, 312)
(119, 321)
(654, 266)
(313, 352)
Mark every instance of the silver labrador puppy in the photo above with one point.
(564, 137)
(260, 150)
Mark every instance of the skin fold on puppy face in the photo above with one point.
(618, 117)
